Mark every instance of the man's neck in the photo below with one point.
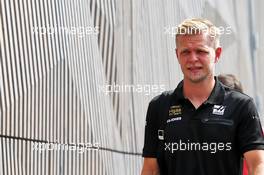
(199, 92)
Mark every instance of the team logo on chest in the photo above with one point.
(218, 109)
(175, 110)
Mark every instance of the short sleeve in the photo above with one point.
(151, 130)
(250, 134)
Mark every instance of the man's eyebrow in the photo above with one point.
(184, 50)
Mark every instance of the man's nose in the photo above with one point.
(193, 56)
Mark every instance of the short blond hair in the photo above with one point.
(197, 26)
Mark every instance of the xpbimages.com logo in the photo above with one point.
(146, 89)
(212, 147)
(80, 31)
(78, 147)
(174, 30)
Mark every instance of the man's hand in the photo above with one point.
(150, 167)
(255, 162)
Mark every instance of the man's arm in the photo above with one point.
(150, 167)
(255, 162)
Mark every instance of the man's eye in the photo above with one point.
(202, 52)
(185, 52)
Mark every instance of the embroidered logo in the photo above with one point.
(175, 110)
(174, 119)
(161, 134)
(219, 109)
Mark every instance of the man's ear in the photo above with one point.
(218, 52)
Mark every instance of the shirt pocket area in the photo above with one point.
(217, 121)
(217, 129)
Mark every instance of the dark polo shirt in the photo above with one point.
(209, 140)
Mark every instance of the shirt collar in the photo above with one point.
(216, 96)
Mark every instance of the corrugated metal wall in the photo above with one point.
(63, 65)
(50, 71)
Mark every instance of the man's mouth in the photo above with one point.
(195, 68)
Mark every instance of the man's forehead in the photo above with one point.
(206, 47)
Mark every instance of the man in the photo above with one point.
(202, 127)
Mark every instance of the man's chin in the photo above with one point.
(197, 79)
